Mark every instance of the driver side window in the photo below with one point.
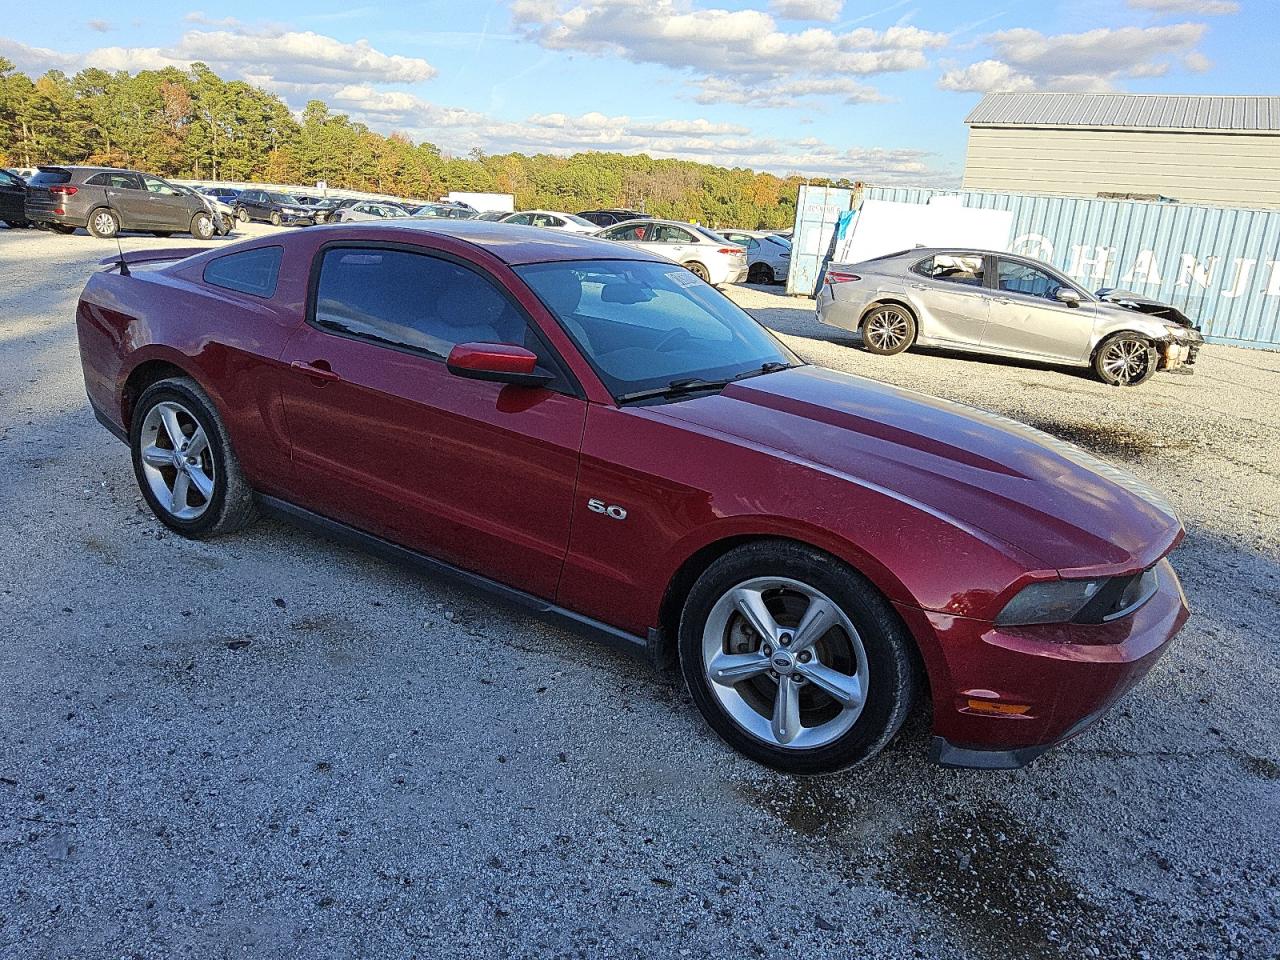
(411, 300)
(155, 185)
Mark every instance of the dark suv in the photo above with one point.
(105, 201)
(275, 208)
(607, 218)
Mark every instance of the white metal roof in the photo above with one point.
(1129, 111)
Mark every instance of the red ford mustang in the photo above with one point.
(597, 434)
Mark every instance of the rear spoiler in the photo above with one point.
(152, 256)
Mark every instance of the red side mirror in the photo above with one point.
(500, 362)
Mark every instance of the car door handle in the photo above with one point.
(918, 286)
(315, 370)
(1002, 300)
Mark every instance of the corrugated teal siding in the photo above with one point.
(1219, 265)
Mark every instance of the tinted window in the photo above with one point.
(628, 231)
(1023, 278)
(253, 271)
(955, 267)
(412, 300)
(121, 181)
(48, 178)
(642, 325)
(8, 179)
(283, 198)
(665, 233)
(155, 185)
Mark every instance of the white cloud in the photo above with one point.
(784, 93)
(825, 10)
(718, 47)
(274, 59)
(1178, 8)
(1092, 61)
(460, 131)
(986, 76)
(100, 26)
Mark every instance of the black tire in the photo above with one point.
(699, 271)
(202, 226)
(231, 505)
(103, 223)
(889, 653)
(276, 219)
(1125, 360)
(242, 215)
(888, 329)
(164, 234)
(760, 273)
(18, 224)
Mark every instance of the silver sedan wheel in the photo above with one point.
(785, 663)
(1126, 360)
(887, 330)
(176, 460)
(104, 224)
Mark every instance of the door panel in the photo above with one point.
(948, 289)
(1025, 319)
(478, 474)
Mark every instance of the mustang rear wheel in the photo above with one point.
(186, 469)
(795, 659)
(888, 329)
(1125, 360)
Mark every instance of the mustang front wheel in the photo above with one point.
(795, 659)
(186, 469)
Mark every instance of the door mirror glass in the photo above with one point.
(500, 362)
(1068, 296)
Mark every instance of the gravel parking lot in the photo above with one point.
(270, 745)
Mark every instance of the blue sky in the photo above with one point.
(870, 90)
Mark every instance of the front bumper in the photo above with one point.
(1004, 695)
(1181, 354)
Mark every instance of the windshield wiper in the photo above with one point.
(688, 385)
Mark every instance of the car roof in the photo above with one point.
(511, 243)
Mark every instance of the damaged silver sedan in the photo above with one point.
(1005, 305)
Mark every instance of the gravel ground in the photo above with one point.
(270, 745)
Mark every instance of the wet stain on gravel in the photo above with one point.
(1111, 440)
(997, 884)
(1261, 767)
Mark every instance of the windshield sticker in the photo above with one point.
(683, 278)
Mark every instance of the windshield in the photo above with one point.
(283, 198)
(643, 325)
(580, 221)
(783, 242)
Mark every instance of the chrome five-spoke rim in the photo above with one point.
(785, 663)
(1126, 360)
(887, 330)
(176, 460)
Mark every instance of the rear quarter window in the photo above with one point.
(254, 271)
(49, 178)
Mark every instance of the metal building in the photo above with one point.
(1195, 149)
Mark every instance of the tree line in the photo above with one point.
(194, 124)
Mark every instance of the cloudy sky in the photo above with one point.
(871, 90)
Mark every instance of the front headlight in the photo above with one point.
(1081, 601)
(1051, 601)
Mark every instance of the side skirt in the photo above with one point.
(544, 609)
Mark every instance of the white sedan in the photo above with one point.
(704, 253)
(370, 210)
(552, 219)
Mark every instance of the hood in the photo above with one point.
(1113, 298)
(1045, 497)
